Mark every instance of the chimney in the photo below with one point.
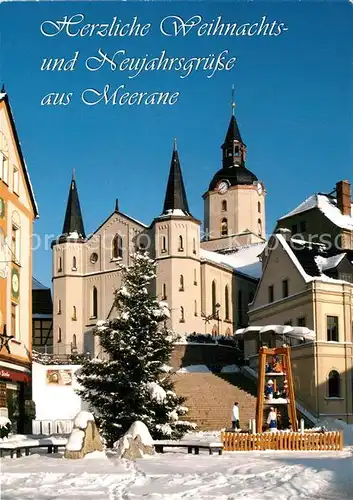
(343, 193)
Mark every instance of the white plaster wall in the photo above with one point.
(55, 402)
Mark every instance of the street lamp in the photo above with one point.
(216, 315)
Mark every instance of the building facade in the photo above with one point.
(207, 291)
(18, 210)
(308, 285)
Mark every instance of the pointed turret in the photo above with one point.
(73, 223)
(233, 147)
(175, 202)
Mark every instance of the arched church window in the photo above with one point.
(60, 265)
(74, 342)
(94, 302)
(236, 151)
(74, 268)
(117, 247)
(226, 302)
(182, 315)
(224, 227)
(214, 299)
(164, 292)
(59, 335)
(259, 207)
(214, 330)
(224, 205)
(181, 248)
(334, 382)
(164, 244)
(194, 246)
(195, 308)
(181, 283)
(59, 306)
(228, 332)
(259, 227)
(74, 314)
(195, 277)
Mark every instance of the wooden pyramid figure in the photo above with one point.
(275, 393)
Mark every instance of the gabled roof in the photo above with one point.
(116, 212)
(311, 260)
(4, 98)
(328, 206)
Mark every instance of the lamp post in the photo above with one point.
(216, 315)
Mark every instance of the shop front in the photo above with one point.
(15, 388)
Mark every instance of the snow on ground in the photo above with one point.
(194, 369)
(176, 475)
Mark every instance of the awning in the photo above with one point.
(14, 375)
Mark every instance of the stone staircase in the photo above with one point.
(210, 398)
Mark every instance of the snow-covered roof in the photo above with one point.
(325, 263)
(174, 211)
(328, 206)
(244, 260)
(286, 330)
(316, 259)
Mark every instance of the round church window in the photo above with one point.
(94, 258)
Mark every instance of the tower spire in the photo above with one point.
(73, 223)
(233, 101)
(175, 202)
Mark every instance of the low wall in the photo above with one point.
(211, 355)
(53, 391)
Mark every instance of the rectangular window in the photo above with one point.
(294, 229)
(14, 319)
(303, 226)
(270, 293)
(301, 321)
(15, 247)
(285, 288)
(16, 178)
(288, 323)
(4, 168)
(42, 330)
(332, 328)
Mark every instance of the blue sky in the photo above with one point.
(293, 94)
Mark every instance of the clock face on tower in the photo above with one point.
(15, 282)
(222, 187)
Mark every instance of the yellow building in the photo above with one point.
(18, 210)
(308, 285)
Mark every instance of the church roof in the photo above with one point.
(175, 202)
(4, 97)
(244, 260)
(235, 176)
(233, 132)
(73, 223)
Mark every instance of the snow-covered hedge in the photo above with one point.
(212, 339)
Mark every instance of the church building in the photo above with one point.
(207, 281)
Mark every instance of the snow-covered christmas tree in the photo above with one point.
(132, 383)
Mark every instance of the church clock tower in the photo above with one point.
(234, 205)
